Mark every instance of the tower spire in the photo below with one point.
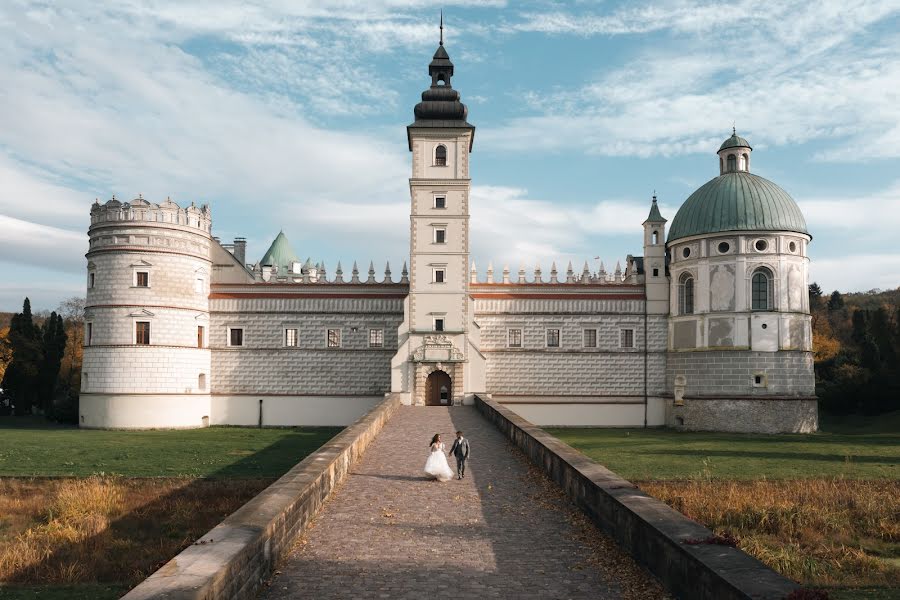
(442, 27)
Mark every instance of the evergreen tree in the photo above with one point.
(20, 380)
(860, 326)
(869, 354)
(880, 330)
(54, 344)
(836, 302)
(815, 296)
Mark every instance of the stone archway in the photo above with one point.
(438, 389)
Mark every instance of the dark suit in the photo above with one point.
(460, 449)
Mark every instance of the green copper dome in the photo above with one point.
(735, 141)
(280, 254)
(737, 201)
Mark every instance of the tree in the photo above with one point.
(880, 330)
(860, 326)
(72, 312)
(815, 296)
(53, 336)
(835, 302)
(21, 377)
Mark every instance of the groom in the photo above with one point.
(460, 449)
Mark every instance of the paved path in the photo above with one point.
(504, 531)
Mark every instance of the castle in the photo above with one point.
(708, 330)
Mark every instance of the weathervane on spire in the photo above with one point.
(442, 27)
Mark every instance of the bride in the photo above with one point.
(436, 466)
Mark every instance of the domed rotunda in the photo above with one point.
(740, 338)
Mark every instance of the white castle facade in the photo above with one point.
(709, 329)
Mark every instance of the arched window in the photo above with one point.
(743, 162)
(762, 290)
(721, 166)
(655, 237)
(732, 161)
(746, 162)
(686, 294)
(440, 156)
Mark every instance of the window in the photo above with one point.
(142, 279)
(589, 338)
(655, 272)
(655, 237)
(198, 285)
(440, 202)
(792, 247)
(236, 336)
(334, 338)
(686, 252)
(762, 295)
(440, 156)
(760, 380)
(200, 336)
(626, 338)
(440, 275)
(724, 247)
(142, 333)
(732, 163)
(376, 338)
(514, 338)
(440, 235)
(439, 324)
(686, 294)
(201, 381)
(553, 338)
(90, 280)
(88, 333)
(761, 245)
(745, 162)
(290, 337)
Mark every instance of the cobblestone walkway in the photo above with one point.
(502, 532)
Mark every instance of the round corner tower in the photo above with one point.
(146, 361)
(740, 339)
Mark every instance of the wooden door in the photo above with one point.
(439, 389)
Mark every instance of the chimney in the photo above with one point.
(240, 249)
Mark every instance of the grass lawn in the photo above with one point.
(821, 509)
(33, 448)
(88, 513)
(853, 447)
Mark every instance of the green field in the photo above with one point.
(32, 448)
(852, 447)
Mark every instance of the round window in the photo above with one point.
(793, 246)
(761, 245)
(724, 247)
(686, 252)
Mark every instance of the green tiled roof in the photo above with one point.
(280, 254)
(735, 141)
(655, 216)
(737, 201)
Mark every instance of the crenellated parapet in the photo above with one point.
(140, 209)
(633, 274)
(309, 273)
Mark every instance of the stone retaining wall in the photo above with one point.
(651, 531)
(233, 559)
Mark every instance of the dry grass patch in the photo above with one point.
(820, 532)
(106, 529)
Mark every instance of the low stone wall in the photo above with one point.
(233, 559)
(745, 415)
(651, 531)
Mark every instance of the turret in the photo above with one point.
(656, 282)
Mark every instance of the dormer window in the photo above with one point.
(440, 156)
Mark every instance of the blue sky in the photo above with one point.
(292, 114)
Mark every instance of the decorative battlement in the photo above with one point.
(310, 273)
(633, 274)
(141, 210)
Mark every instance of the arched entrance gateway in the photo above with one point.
(438, 389)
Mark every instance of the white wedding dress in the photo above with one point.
(436, 466)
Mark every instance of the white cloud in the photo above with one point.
(42, 246)
(857, 272)
(786, 72)
(877, 214)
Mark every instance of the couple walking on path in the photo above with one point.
(436, 466)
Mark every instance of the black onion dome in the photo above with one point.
(440, 106)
